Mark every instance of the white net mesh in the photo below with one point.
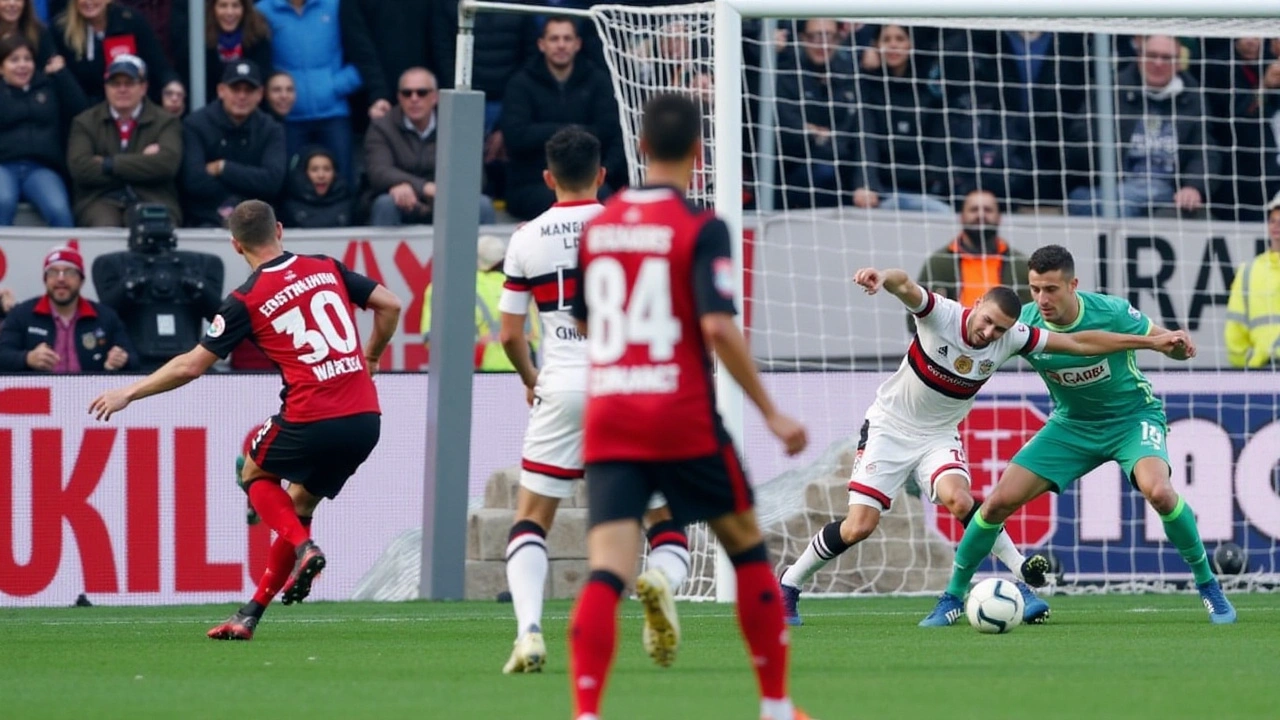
(862, 140)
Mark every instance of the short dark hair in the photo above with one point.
(672, 125)
(1006, 300)
(1050, 258)
(573, 157)
(17, 41)
(253, 224)
(560, 19)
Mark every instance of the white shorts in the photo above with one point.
(552, 457)
(886, 459)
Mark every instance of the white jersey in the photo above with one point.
(542, 264)
(933, 388)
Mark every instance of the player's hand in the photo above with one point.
(371, 364)
(870, 279)
(42, 358)
(117, 357)
(530, 395)
(1174, 342)
(789, 431)
(109, 403)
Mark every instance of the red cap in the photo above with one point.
(64, 256)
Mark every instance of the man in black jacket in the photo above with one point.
(232, 150)
(60, 331)
(552, 91)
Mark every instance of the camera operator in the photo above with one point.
(161, 293)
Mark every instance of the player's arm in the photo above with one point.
(513, 308)
(897, 282)
(371, 295)
(1101, 342)
(1177, 352)
(174, 374)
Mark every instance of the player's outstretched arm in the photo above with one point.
(174, 374)
(897, 282)
(1100, 342)
(723, 336)
(386, 315)
(1178, 352)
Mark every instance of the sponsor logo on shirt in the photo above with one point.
(1081, 376)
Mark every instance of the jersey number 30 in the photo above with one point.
(613, 323)
(325, 305)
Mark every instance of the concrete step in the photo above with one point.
(489, 528)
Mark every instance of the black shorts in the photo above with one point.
(698, 489)
(320, 456)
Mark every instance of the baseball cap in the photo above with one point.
(1274, 204)
(126, 64)
(242, 71)
(64, 256)
(490, 250)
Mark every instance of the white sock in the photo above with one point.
(776, 709)
(526, 578)
(822, 549)
(1008, 554)
(672, 561)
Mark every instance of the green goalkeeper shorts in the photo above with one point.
(1065, 450)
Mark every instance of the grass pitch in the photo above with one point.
(1144, 656)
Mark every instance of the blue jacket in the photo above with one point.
(309, 47)
(97, 330)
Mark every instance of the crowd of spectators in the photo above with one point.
(328, 109)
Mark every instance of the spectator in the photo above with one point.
(232, 151)
(60, 331)
(552, 91)
(1165, 162)
(280, 96)
(19, 17)
(978, 259)
(7, 301)
(404, 34)
(400, 156)
(318, 197)
(124, 151)
(233, 30)
(504, 43)
(903, 146)
(91, 34)
(173, 99)
(818, 119)
(310, 39)
(1253, 310)
(1242, 92)
(34, 111)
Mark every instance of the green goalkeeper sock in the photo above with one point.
(979, 537)
(1180, 528)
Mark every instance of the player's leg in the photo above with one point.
(1143, 454)
(617, 494)
(668, 565)
(527, 565)
(275, 445)
(668, 543)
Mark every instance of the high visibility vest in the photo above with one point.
(1253, 313)
(490, 357)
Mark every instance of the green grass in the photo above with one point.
(1100, 657)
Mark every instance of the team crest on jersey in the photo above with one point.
(986, 367)
(722, 269)
(1133, 313)
(963, 364)
(216, 327)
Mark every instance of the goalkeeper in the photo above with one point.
(1103, 409)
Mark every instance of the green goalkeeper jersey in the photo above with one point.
(1098, 387)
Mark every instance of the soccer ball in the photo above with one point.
(994, 606)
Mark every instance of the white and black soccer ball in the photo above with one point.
(994, 606)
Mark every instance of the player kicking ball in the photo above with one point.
(541, 265)
(913, 425)
(1103, 409)
(297, 308)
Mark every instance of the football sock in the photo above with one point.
(527, 573)
(822, 549)
(1008, 553)
(979, 537)
(280, 561)
(669, 551)
(593, 637)
(276, 509)
(1180, 528)
(760, 616)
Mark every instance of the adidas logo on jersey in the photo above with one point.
(943, 350)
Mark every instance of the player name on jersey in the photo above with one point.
(635, 379)
(295, 289)
(631, 238)
(340, 366)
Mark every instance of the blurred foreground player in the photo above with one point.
(297, 308)
(657, 295)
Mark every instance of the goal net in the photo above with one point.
(1147, 147)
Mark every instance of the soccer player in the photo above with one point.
(657, 297)
(541, 263)
(912, 427)
(1103, 409)
(297, 308)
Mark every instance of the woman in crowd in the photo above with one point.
(280, 96)
(233, 30)
(90, 32)
(318, 196)
(35, 112)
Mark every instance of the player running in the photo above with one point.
(542, 263)
(297, 308)
(912, 427)
(1103, 409)
(657, 297)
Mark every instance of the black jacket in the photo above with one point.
(827, 97)
(304, 208)
(31, 323)
(504, 43)
(128, 30)
(536, 106)
(255, 155)
(904, 145)
(34, 121)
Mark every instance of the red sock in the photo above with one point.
(761, 620)
(593, 636)
(280, 563)
(276, 509)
